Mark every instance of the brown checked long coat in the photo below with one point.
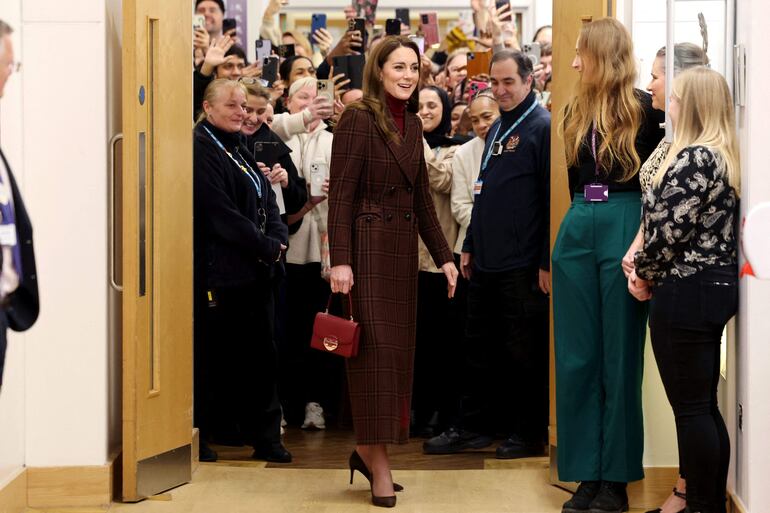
(379, 200)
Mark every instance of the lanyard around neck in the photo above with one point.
(243, 166)
(506, 134)
(593, 149)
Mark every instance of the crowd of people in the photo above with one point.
(421, 189)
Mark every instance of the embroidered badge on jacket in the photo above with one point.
(512, 143)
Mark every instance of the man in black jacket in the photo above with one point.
(19, 304)
(506, 258)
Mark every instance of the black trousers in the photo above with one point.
(506, 359)
(307, 375)
(235, 365)
(687, 319)
(438, 335)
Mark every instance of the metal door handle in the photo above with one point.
(111, 243)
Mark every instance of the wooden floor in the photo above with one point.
(317, 482)
(330, 449)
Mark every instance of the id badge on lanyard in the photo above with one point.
(596, 192)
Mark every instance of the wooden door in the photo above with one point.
(157, 246)
(568, 17)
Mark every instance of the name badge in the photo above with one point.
(8, 235)
(477, 185)
(596, 192)
(497, 149)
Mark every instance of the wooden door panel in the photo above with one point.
(157, 246)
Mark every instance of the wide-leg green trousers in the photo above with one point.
(599, 343)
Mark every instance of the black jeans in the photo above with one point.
(687, 319)
(506, 389)
(236, 366)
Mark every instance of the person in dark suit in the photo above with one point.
(379, 201)
(239, 241)
(19, 304)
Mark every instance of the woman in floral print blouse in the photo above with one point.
(688, 268)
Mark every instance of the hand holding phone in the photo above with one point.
(264, 49)
(429, 22)
(229, 25)
(319, 171)
(325, 89)
(270, 70)
(532, 50)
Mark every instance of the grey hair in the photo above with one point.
(5, 29)
(686, 55)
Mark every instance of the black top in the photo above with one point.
(230, 248)
(690, 220)
(268, 148)
(647, 139)
(509, 226)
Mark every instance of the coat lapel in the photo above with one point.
(404, 151)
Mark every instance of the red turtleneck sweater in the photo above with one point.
(397, 109)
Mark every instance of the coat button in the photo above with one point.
(392, 190)
(409, 189)
(408, 216)
(368, 219)
(389, 217)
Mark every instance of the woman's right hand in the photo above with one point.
(341, 279)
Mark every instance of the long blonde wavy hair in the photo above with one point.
(706, 118)
(605, 95)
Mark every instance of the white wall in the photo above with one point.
(752, 444)
(58, 144)
(12, 404)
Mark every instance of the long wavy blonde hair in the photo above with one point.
(605, 95)
(706, 118)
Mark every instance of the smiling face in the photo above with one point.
(213, 14)
(431, 110)
(228, 110)
(400, 73)
(484, 112)
(256, 106)
(507, 86)
(657, 86)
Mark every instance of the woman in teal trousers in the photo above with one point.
(609, 128)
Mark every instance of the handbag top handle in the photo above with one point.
(350, 304)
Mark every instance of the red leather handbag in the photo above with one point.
(336, 335)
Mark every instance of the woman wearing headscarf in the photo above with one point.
(435, 310)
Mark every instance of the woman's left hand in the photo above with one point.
(639, 288)
(450, 271)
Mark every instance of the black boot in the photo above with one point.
(612, 498)
(581, 500)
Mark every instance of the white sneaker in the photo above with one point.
(314, 417)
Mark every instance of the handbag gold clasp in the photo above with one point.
(331, 343)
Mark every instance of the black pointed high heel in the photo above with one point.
(356, 463)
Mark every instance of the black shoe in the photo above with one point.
(453, 441)
(205, 453)
(275, 453)
(516, 447)
(612, 498)
(581, 500)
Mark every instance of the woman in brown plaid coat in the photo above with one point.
(379, 201)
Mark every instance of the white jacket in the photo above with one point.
(465, 171)
(306, 148)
